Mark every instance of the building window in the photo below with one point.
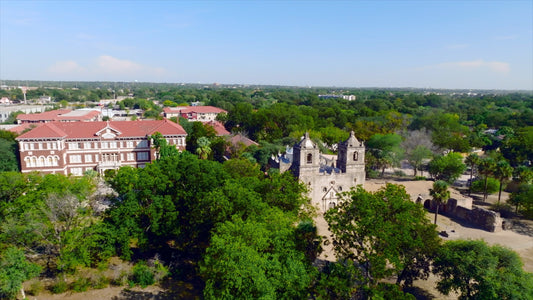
(131, 156)
(88, 158)
(32, 147)
(309, 158)
(105, 145)
(355, 156)
(75, 159)
(73, 146)
(113, 145)
(142, 156)
(76, 171)
(40, 146)
(54, 146)
(324, 189)
(143, 144)
(340, 188)
(129, 144)
(87, 145)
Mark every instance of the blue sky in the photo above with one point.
(425, 44)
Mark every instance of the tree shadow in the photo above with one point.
(419, 293)
(522, 227)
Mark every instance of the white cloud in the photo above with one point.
(68, 66)
(494, 66)
(109, 64)
(106, 67)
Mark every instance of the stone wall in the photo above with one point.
(486, 219)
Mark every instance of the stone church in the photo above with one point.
(326, 176)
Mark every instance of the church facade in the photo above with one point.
(326, 176)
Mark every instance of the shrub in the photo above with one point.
(399, 173)
(120, 279)
(81, 284)
(142, 275)
(36, 288)
(372, 173)
(160, 271)
(478, 186)
(100, 283)
(59, 287)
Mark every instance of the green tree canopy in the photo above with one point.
(448, 167)
(478, 271)
(14, 270)
(385, 233)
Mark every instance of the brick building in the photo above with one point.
(193, 113)
(75, 147)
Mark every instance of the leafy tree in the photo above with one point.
(478, 271)
(523, 198)
(519, 148)
(417, 156)
(440, 195)
(256, 259)
(8, 152)
(502, 171)
(386, 150)
(196, 131)
(448, 167)
(14, 270)
(385, 233)
(162, 147)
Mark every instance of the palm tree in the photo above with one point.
(204, 147)
(471, 160)
(486, 167)
(440, 194)
(502, 171)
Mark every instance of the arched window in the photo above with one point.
(331, 205)
(309, 158)
(355, 156)
(324, 189)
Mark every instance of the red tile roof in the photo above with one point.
(219, 128)
(193, 109)
(20, 128)
(239, 138)
(47, 115)
(59, 114)
(83, 130)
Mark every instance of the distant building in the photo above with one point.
(345, 97)
(325, 176)
(6, 110)
(61, 115)
(5, 101)
(45, 99)
(194, 113)
(75, 147)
